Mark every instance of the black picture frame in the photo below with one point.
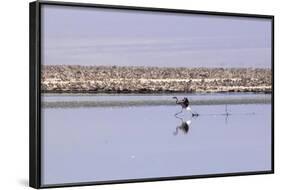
(35, 91)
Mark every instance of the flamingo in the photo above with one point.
(184, 103)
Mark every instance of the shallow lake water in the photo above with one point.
(86, 144)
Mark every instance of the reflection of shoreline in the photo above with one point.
(147, 80)
(126, 103)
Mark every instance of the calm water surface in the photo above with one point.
(114, 143)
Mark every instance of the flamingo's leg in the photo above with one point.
(194, 114)
(179, 112)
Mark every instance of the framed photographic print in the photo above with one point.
(130, 94)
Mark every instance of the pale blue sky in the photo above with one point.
(91, 36)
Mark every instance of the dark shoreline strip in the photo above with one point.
(59, 92)
(81, 104)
